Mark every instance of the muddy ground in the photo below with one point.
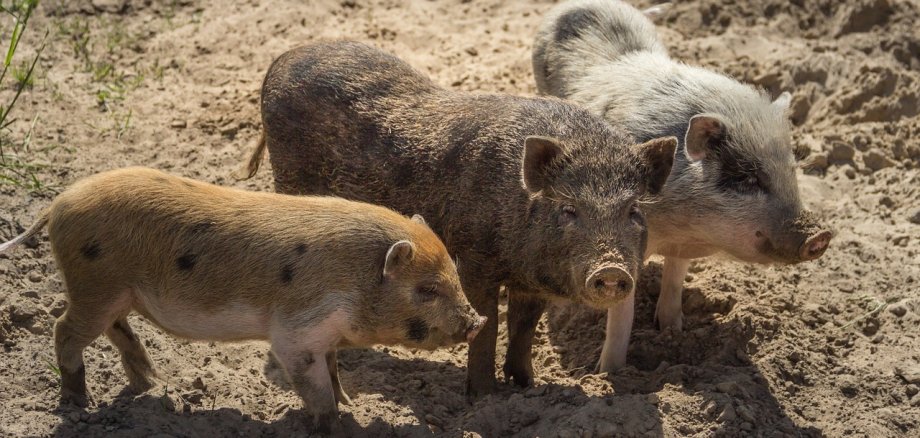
(830, 347)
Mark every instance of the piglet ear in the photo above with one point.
(398, 256)
(539, 154)
(657, 157)
(417, 218)
(705, 136)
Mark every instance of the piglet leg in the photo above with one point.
(332, 363)
(668, 312)
(619, 327)
(309, 374)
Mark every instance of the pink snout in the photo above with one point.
(610, 282)
(815, 246)
(475, 328)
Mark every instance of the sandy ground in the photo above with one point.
(826, 348)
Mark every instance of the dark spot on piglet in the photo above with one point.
(287, 274)
(91, 251)
(186, 262)
(417, 330)
(301, 249)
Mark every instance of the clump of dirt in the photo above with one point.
(830, 347)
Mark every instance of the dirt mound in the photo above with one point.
(825, 348)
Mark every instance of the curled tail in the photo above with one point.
(580, 34)
(34, 229)
(255, 161)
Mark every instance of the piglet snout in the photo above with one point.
(815, 246)
(610, 281)
(475, 328)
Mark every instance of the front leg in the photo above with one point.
(619, 327)
(480, 379)
(668, 310)
(524, 312)
(333, 365)
(309, 374)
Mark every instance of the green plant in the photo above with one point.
(22, 75)
(13, 169)
(54, 368)
(21, 12)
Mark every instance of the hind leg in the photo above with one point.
(134, 357)
(72, 334)
(88, 315)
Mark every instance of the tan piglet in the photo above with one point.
(307, 274)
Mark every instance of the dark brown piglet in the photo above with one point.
(532, 194)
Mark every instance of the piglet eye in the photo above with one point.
(427, 293)
(568, 212)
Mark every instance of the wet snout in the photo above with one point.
(814, 246)
(796, 240)
(610, 283)
(475, 327)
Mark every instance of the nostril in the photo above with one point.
(817, 246)
(623, 285)
(599, 283)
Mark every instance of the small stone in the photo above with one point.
(747, 426)
(910, 373)
(726, 387)
(915, 218)
(178, 124)
(30, 294)
(74, 417)
(472, 51)
(912, 390)
(431, 419)
(887, 202)
(110, 6)
(818, 162)
(849, 172)
(199, 384)
(898, 310)
(745, 413)
(728, 414)
(535, 391)
(652, 399)
(876, 160)
(841, 153)
(22, 313)
(529, 417)
(848, 386)
(35, 277)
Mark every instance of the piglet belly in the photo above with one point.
(228, 322)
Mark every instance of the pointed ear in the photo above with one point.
(399, 254)
(417, 218)
(783, 100)
(656, 157)
(539, 154)
(705, 135)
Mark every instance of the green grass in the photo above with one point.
(24, 78)
(54, 368)
(15, 169)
